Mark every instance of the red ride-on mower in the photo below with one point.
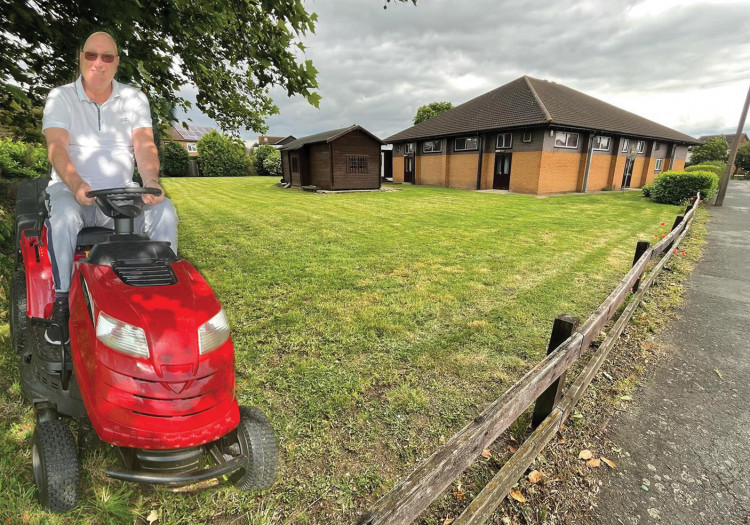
(149, 368)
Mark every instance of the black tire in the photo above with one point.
(257, 441)
(55, 461)
(18, 319)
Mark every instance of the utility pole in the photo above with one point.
(732, 154)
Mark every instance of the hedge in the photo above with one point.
(221, 156)
(677, 187)
(716, 167)
(22, 160)
(176, 160)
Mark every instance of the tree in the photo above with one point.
(176, 160)
(232, 51)
(742, 160)
(713, 149)
(431, 110)
(261, 153)
(272, 164)
(221, 156)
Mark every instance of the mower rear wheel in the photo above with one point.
(18, 319)
(257, 441)
(55, 461)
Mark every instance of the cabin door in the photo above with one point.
(409, 169)
(501, 180)
(627, 173)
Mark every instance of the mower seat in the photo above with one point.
(30, 208)
(93, 235)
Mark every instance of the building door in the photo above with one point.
(501, 180)
(294, 168)
(627, 173)
(409, 169)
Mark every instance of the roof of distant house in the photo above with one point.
(191, 134)
(728, 137)
(528, 102)
(328, 136)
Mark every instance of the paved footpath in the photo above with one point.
(688, 431)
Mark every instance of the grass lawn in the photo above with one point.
(368, 326)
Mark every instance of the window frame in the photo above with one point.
(659, 165)
(503, 135)
(625, 146)
(357, 164)
(409, 147)
(439, 142)
(294, 164)
(192, 147)
(599, 147)
(640, 146)
(567, 136)
(526, 134)
(474, 138)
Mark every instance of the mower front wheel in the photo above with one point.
(257, 441)
(55, 461)
(18, 319)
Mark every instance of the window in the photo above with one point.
(504, 141)
(601, 143)
(639, 146)
(526, 137)
(565, 139)
(398, 147)
(192, 147)
(409, 147)
(432, 146)
(356, 163)
(658, 164)
(295, 164)
(466, 144)
(658, 146)
(625, 145)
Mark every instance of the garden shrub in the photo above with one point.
(261, 153)
(646, 190)
(22, 160)
(176, 160)
(272, 164)
(677, 187)
(716, 167)
(221, 156)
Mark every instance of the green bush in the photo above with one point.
(677, 187)
(261, 153)
(272, 164)
(22, 160)
(221, 156)
(646, 190)
(176, 160)
(714, 167)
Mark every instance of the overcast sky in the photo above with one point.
(681, 63)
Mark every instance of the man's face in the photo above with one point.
(98, 73)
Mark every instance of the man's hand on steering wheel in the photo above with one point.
(80, 194)
(152, 199)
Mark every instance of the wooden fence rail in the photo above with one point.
(405, 502)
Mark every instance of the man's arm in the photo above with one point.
(58, 140)
(147, 158)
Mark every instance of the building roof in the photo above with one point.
(729, 138)
(328, 136)
(527, 102)
(268, 139)
(191, 134)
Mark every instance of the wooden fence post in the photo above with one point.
(640, 249)
(562, 329)
(677, 222)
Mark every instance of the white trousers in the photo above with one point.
(67, 218)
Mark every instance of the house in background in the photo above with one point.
(187, 138)
(728, 138)
(535, 136)
(275, 141)
(339, 159)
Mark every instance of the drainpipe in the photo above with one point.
(479, 162)
(588, 163)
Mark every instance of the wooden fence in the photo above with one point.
(543, 384)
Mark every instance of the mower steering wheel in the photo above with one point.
(121, 203)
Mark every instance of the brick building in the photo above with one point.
(536, 136)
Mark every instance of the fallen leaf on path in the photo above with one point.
(718, 373)
(152, 517)
(448, 521)
(512, 449)
(535, 476)
(594, 463)
(513, 440)
(516, 495)
(609, 462)
(585, 454)
(626, 398)
(486, 454)
(577, 415)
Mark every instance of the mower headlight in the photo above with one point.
(213, 333)
(121, 336)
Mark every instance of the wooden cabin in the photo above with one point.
(340, 159)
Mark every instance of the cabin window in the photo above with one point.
(658, 165)
(432, 146)
(526, 137)
(565, 139)
(625, 145)
(295, 164)
(409, 147)
(466, 144)
(356, 163)
(601, 143)
(192, 147)
(504, 141)
(640, 146)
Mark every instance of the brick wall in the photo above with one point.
(679, 165)
(638, 164)
(431, 170)
(616, 170)
(599, 172)
(524, 171)
(462, 171)
(558, 172)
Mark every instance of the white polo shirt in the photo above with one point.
(101, 135)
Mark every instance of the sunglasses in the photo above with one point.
(106, 57)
